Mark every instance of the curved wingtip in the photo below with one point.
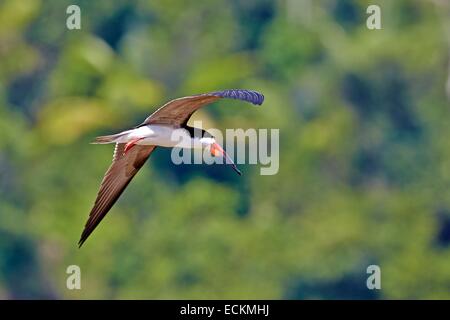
(246, 95)
(82, 239)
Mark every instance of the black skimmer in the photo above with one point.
(134, 146)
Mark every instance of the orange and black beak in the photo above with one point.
(217, 150)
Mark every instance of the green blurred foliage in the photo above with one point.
(364, 153)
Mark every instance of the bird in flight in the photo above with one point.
(134, 146)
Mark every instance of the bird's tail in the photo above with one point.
(108, 139)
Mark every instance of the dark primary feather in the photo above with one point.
(116, 179)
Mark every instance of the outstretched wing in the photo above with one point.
(116, 179)
(177, 112)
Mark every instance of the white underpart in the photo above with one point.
(165, 136)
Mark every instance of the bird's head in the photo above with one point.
(208, 142)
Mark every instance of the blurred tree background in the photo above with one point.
(364, 153)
